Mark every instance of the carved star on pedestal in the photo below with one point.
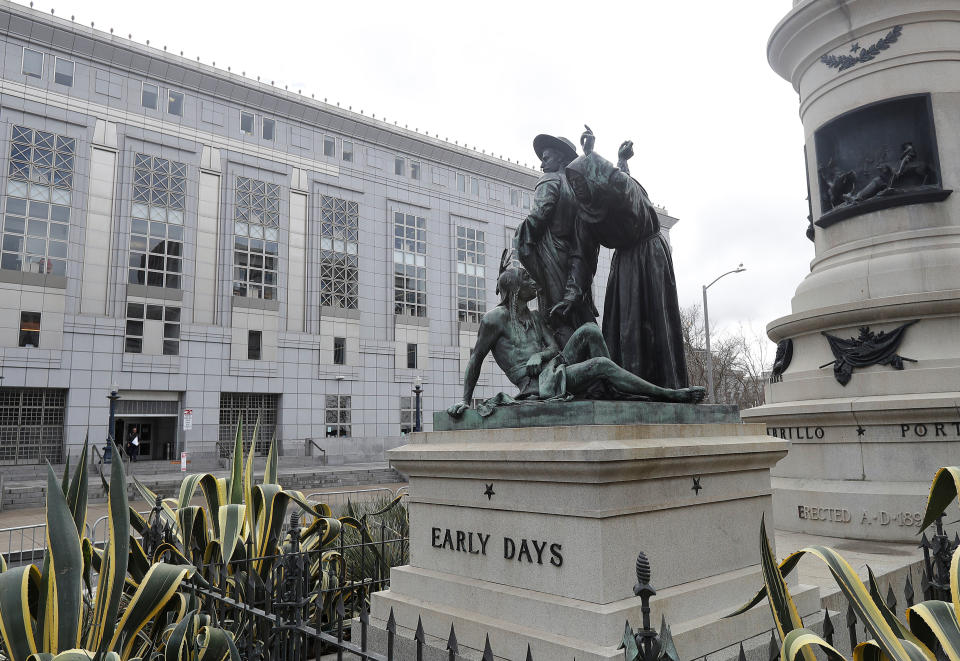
(696, 485)
(860, 431)
(489, 492)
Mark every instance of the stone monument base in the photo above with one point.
(860, 467)
(530, 535)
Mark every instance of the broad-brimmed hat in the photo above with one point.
(543, 141)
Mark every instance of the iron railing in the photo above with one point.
(25, 544)
(340, 498)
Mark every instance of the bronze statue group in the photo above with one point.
(583, 202)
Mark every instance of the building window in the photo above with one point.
(415, 170)
(32, 63)
(338, 415)
(269, 128)
(514, 197)
(339, 265)
(462, 182)
(256, 222)
(339, 351)
(31, 425)
(63, 71)
(471, 274)
(474, 186)
(29, 329)
(346, 152)
(411, 355)
(156, 224)
(248, 409)
(149, 94)
(408, 414)
(254, 341)
(399, 166)
(141, 316)
(175, 103)
(329, 146)
(409, 264)
(526, 200)
(37, 220)
(246, 122)
(511, 237)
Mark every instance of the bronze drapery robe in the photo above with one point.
(641, 315)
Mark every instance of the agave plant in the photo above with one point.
(929, 624)
(54, 613)
(236, 538)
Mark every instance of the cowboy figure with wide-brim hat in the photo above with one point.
(559, 143)
(548, 237)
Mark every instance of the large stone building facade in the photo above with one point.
(220, 249)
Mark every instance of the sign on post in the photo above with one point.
(187, 419)
(183, 462)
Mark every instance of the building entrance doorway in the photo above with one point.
(158, 436)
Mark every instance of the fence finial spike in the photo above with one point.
(391, 622)
(418, 634)
(908, 591)
(827, 625)
(487, 652)
(452, 641)
(741, 656)
(891, 598)
(773, 649)
(529, 654)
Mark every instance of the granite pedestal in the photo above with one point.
(531, 534)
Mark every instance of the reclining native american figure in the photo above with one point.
(524, 348)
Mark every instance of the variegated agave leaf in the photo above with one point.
(943, 490)
(801, 641)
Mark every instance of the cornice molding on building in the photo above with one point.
(291, 340)
(381, 347)
(444, 352)
(254, 368)
(138, 362)
(339, 372)
(38, 358)
(206, 334)
(114, 51)
(84, 324)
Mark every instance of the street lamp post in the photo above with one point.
(111, 426)
(418, 391)
(706, 328)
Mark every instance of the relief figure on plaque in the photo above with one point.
(548, 235)
(641, 315)
(524, 347)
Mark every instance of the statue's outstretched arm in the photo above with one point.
(624, 154)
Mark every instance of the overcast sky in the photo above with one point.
(717, 136)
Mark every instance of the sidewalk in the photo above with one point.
(31, 494)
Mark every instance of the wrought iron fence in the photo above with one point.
(299, 603)
(284, 613)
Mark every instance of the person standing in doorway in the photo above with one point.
(133, 445)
